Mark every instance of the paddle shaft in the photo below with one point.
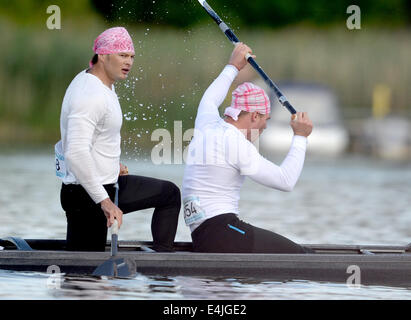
(115, 266)
(114, 227)
(114, 244)
(233, 38)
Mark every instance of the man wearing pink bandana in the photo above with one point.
(220, 156)
(88, 156)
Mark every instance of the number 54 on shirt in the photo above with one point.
(192, 210)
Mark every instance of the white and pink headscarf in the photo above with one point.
(113, 40)
(250, 98)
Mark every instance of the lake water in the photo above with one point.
(350, 200)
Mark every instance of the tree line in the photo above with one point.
(268, 13)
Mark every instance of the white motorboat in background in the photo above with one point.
(388, 137)
(329, 137)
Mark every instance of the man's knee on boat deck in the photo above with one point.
(172, 193)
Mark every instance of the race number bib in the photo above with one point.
(192, 210)
(59, 160)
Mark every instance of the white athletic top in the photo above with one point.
(220, 157)
(90, 124)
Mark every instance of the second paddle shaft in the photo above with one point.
(232, 37)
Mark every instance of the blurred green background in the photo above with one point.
(179, 50)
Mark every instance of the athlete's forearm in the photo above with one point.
(292, 165)
(285, 176)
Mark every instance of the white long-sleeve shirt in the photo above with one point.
(90, 124)
(220, 157)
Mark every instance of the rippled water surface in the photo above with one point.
(345, 201)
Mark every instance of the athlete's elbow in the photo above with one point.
(281, 187)
(75, 156)
(71, 159)
(288, 182)
(68, 156)
(288, 186)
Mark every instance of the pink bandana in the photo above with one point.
(114, 40)
(250, 98)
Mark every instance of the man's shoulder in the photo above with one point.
(85, 82)
(87, 96)
(82, 99)
(83, 90)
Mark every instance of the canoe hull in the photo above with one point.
(376, 269)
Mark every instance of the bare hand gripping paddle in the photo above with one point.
(232, 37)
(115, 266)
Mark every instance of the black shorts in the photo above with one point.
(87, 224)
(226, 233)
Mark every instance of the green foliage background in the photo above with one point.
(180, 50)
(267, 13)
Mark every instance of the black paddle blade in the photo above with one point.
(116, 267)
